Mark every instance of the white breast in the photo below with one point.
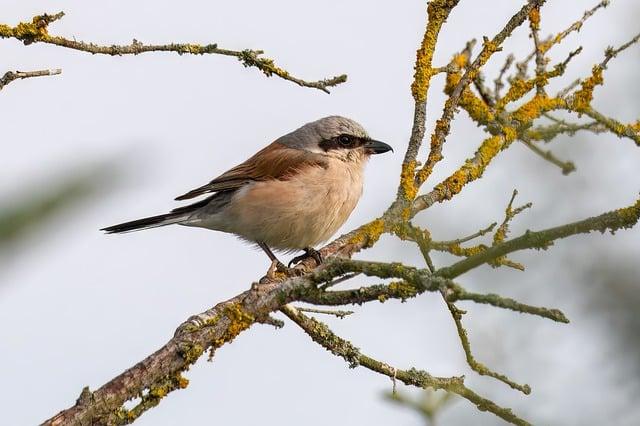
(303, 211)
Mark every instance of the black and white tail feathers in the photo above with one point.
(175, 216)
(145, 223)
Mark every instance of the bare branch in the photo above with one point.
(37, 31)
(339, 314)
(10, 76)
(566, 166)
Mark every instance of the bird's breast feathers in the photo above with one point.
(303, 210)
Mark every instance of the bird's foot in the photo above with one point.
(278, 267)
(308, 253)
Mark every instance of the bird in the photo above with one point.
(290, 196)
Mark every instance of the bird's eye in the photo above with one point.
(344, 140)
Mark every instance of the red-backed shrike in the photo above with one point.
(292, 195)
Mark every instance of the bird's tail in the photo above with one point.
(146, 223)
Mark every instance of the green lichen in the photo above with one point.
(152, 397)
(251, 58)
(402, 290)
(190, 352)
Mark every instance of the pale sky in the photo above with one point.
(78, 307)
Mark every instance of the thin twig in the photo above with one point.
(321, 334)
(612, 221)
(499, 84)
(10, 76)
(476, 366)
(443, 125)
(36, 31)
(475, 235)
(567, 167)
(339, 314)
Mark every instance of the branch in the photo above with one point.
(160, 373)
(443, 125)
(476, 366)
(11, 76)
(321, 334)
(36, 31)
(614, 220)
(437, 13)
(413, 282)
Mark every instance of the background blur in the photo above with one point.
(114, 139)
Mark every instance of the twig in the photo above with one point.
(337, 281)
(499, 84)
(476, 366)
(577, 26)
(10, 76)
(566, 166)
(36, 31)
(338, 346)
(458, 293)
(612, 221)
(339, 314)
(611, 52)
(475, 235)
(534, 25)
(443, 124)
(437, 13)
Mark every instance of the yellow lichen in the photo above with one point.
(534, 19)
(191, 352)
(239, 320)
(472, 169)
(476, 107)
(36, 30)
(367, 235)
(402, 289)
(437, 13)
(583, 97)
(460, 60)
(510, 134)
(457, 250)
(407, 180)
(537, 106)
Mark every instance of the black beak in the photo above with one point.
(377, 147)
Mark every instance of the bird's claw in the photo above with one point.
(308, 252)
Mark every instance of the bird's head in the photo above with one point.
(336, 137)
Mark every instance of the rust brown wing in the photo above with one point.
(276, 161)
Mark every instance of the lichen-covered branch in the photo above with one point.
(37, 31)
(476, 366)
(525, 112)
(437, 13)
(322, 335)
(612, 221)
(10, 76)
(443, 125)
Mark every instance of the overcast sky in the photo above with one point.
(78, 307)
